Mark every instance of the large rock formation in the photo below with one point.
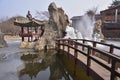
(97, 31)
(58, 19)
(53, 29)
(2, 41)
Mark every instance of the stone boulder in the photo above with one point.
(2, 41)
(27, 45)
(97, 30)
(40, 44)
(47, 41)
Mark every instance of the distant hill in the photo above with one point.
(8, 27)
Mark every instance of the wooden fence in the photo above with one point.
(89, 51)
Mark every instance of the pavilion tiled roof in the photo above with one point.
(28, 23)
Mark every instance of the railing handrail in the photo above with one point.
(103, 52)
(106, 44)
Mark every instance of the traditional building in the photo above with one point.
(30, 28)
(111, 15)
(111, 22)
(77, 19)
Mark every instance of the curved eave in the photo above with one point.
(28, 24)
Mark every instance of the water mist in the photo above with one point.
(84, 27)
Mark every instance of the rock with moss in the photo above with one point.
(2, 41)
(27, 45)
(47, 40)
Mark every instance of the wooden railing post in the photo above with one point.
(58, 45)
(75, 51)
(111, 52)
(75, 57)
(68, 46)
(88, 60)
(113, 68)
(76, 40)
(63, 45)
(94, 45)
(83, 43)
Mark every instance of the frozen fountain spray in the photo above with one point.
(85, 27)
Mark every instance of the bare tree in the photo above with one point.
(2, 19)
(42, 15)
(115, 3)
(7, 26)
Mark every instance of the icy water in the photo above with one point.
(24, 64)
(113, 42)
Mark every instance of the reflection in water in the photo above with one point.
(42, 66)
(70, 65)
(30, 65)
(50, 66)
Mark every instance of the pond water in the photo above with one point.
(31, 65)
(22, 64)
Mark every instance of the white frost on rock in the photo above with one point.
(72, 33)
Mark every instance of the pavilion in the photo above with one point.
(30, 28)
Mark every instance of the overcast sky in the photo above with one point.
(71, 7)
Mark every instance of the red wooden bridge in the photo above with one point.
(97, 67)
